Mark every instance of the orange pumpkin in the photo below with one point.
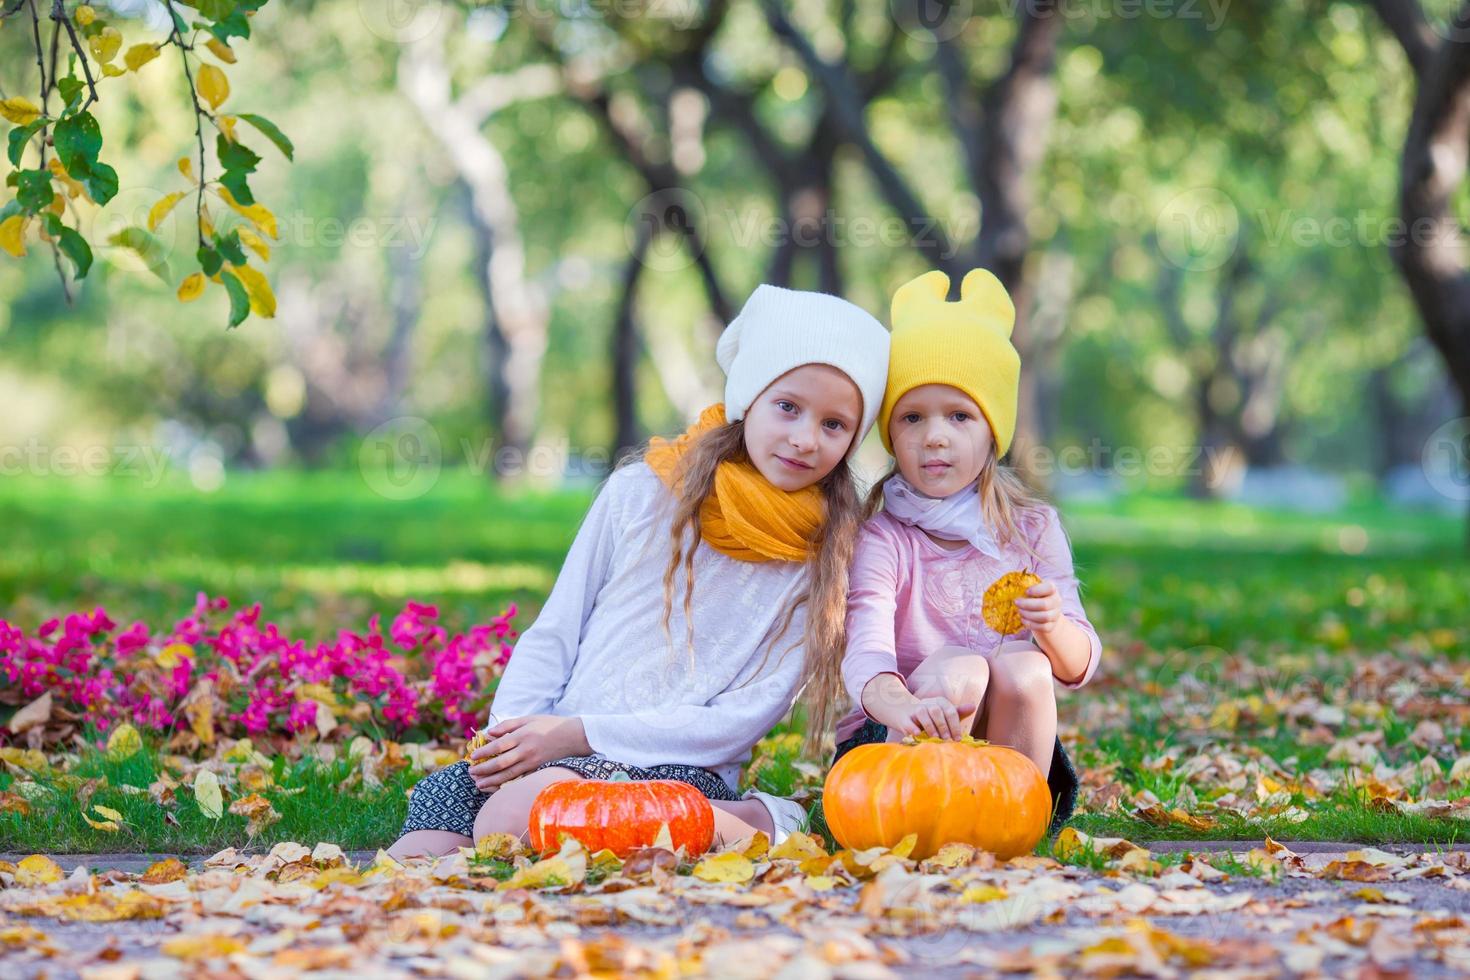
(621, 815)
(969, 792)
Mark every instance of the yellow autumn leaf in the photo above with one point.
(567, 867)
(258, 288)
(221, 50)
(113, 71)
(729, 867)
(33, 760)
(111, 821)
(202, 947)
(201, 710)
(186, 168)
(37, 869)
(139, 55)
(105, 43)
(213, 86)
(258, 214)
(13, 233)
(799, 847)
(821, 883)
(254, 242)
(207, 794)
(123, 742)
(226, 125)
(983, 893)
(257, 811)
(165, 871)
(19, 110)
(191, 288)
(84, 15)
(175, 653)
(162, 207)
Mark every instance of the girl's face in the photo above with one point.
(801, 426)
(940, 439)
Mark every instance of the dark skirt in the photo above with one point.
(1062, 780)
(449, 799)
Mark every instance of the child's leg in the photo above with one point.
(957, 673)
(427, 843)
(508, 811)
(738, 819)
(1021, 705)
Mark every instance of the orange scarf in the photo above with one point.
(744, 517)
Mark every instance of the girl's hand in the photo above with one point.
(1040, 608)
(518, 746)
(938, 717)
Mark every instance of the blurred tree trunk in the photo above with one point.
(517, 309)
(1436, 267)
(1237, 369)
(627, 434)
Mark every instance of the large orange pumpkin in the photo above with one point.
(969, 792)
(621, 815)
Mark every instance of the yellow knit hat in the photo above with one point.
(965, 344)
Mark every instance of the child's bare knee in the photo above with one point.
(961, 679)
(1022, 673)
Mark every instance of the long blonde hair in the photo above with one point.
(1003, 497)
(825, 638)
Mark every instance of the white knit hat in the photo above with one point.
(779, 330)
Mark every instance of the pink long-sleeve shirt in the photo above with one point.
(908, 596)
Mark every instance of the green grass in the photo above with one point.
(308, 795)
(1177, 588)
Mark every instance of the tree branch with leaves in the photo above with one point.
(47, 200)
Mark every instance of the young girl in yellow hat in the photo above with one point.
(922, 655)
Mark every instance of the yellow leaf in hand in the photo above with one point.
(207, 794)
(213, 86)
(37, 869)
(19, 110)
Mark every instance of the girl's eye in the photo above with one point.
(962, 416)
(836, 424)
(786, 406)
(911, 417)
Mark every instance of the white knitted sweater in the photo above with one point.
(598, 650)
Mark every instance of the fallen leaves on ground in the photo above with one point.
(1108, 907)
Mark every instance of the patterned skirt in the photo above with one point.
(1062, 780)
(449, 799)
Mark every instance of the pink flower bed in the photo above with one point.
(245, 677)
